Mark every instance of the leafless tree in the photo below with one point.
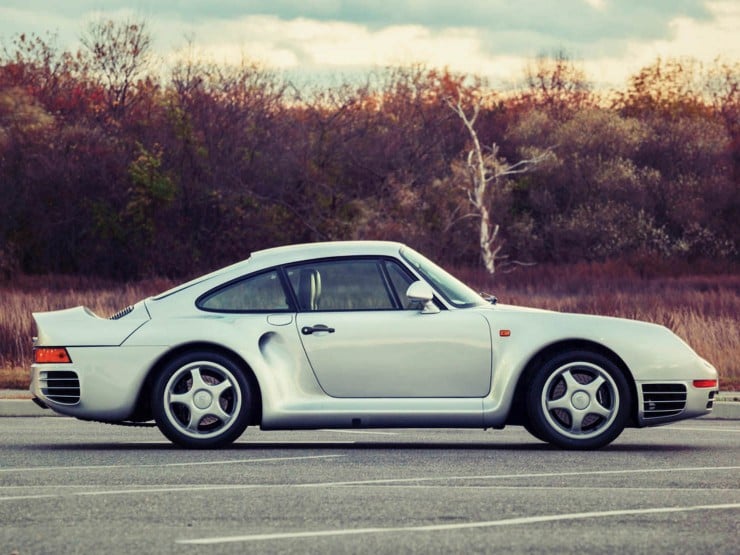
(119, 53)
(486, 169)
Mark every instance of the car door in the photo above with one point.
(364, 339)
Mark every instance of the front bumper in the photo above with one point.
(664, 402)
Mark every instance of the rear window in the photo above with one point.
(258, 293)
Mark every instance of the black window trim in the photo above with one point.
(438, 294)
(379, 260)
(293, 305)
(277, 269)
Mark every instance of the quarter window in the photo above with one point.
(260, 293)
(401, 281)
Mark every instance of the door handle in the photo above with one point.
(308, 330)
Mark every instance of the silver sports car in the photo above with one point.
(360, 335)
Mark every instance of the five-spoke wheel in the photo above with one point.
(201, 399)
(578, 400)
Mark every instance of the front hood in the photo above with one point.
(513, 308)
(574, 319)
(79, 326)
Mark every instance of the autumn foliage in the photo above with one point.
(110, 168)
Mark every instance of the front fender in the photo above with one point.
(650, 352)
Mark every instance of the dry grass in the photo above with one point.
(703, 310)
(39, 294)
(14, 378)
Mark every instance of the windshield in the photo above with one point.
(452, 289)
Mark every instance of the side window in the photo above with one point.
(352, 284)
(263, 292)
(401, 281)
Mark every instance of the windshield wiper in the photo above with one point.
(488, 297)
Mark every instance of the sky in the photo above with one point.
(495, 39)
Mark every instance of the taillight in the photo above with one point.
(705, 383)
(49, 355)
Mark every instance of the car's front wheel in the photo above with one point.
(201, 400)
(578, 400)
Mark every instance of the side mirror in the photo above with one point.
(423, 294)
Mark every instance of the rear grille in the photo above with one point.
(663, 399)
(61, 386)
(121, 313)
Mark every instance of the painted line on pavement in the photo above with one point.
(146, 489)
(142, 489)
(173, 489)
(514, 476)
(176, 488)
(697, 489)
(459, 526)
(195, 463)
(688, 429)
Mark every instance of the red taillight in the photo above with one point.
(705, 383)
(48, 355)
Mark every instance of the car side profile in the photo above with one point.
(362, 334)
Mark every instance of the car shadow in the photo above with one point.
(377, 446)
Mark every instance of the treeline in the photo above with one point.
(108, 167)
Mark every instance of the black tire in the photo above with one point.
(201, 400)
(578, 400)
(532, 431)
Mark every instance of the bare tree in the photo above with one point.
(485, 168)
(119, 52)
(558, 84)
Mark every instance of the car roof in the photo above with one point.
(307, 251)
(289, 254)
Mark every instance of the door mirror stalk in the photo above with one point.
(423, 294)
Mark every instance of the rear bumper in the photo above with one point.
(101, 383)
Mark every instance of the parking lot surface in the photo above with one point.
(76, 487)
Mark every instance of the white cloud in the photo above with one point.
(492, 40)
(704, 41)
(596, 4)
(311, 43)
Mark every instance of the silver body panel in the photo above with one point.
(399, 368)
(400, 353)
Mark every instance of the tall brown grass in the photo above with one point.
(703, 310)
(28, 294)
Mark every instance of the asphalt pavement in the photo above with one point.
(68, 486)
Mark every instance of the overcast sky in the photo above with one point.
(492, 38)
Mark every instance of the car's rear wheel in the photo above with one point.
(201, 400)
(578, 400)
(533, 431)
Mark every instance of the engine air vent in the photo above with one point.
(122, 313)
(61, 386)
(665, 399)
